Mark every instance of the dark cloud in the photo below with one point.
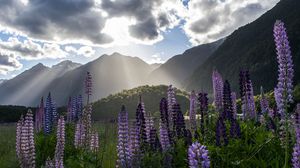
(148, 24)
(8, 63)
(146, 30)
(203, 25)
(62, 19)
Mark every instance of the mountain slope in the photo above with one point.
(110, 73)
(180, 67)
(109, 107)
(252, 47)
(26, 88)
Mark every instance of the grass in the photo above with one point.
(107, 142)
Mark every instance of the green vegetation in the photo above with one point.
(109, 107)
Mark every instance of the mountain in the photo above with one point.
(180, 67)
(109, 107)
(252, 47)
(27, 87)
(110, 73)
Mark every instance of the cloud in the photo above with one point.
(56, 20)
(87, 21)
(86, 51)
(210, 20)
(30, 50)
(8, 63)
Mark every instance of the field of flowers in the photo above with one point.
(228, 133)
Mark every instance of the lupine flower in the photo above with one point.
(164, 115)
(198, 156)
(247, 96)
(94, 142)
(149, 126)
(221, 132)
(192, 113)
(296, 149)
(235, 130)
(234, 105)
(54, 113)
(25, 148)
(124, 159)
(203, 102)
(188, 137)
(39, 116)
(80, 135)
(264, 104)
(227, 102)
(154, 141)
(69, 110)
(178, 119)
(49, 163)
(135, 144)
(88, 86)
(218, 89)
(79, 107)
(141, 123)
(284, 88)
(60, 143)
(164, 137)
(285, 68)
(20, 124)
(48, 115)
(74, 108)
(171, 102)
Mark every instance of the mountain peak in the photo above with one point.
(66, 63)
(39, 66)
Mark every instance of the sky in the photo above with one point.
(50, 31)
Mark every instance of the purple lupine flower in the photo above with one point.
(87, 123)
(154, 141)
(135, 145)
(284, 88)
(178, 121)
(203, 102)
(285, 67)
(80, 135)
(141, 123)
(227, 102)
(60, 143)
(48, 115)
(74, 108)
(94, 142)
(235, 129)
(39, 116)
(79, 107)
(296, 149)
(171, 101)
(124, 159)
(18, 138)
(247, 96)
(25, 148)
(192, 112)
(164, 137)
(88, 86)
(221, 132)
(69, 111)
(49, 163)
(149, 126)
(264, 103)
(164, 115)
(218, 89)
(198, 156)
(234, 105)
(54, 113)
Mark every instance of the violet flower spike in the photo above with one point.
(198, 156)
